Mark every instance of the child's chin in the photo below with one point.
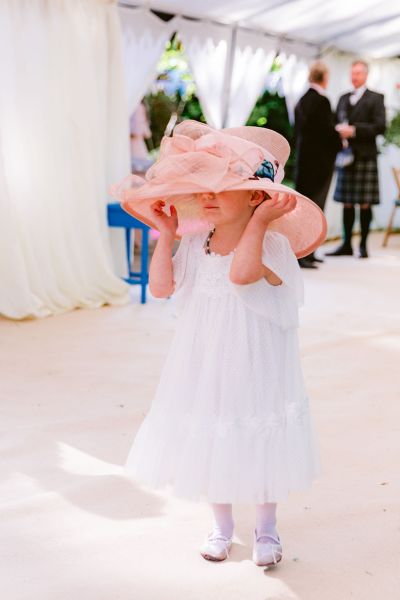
(213, 213)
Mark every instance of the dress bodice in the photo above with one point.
(212, 276)
(199, 276)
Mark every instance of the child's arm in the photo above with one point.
(161, 279)
(247, 266)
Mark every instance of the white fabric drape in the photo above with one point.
(365, 27)
(254, 54)
(339, 65)
(144, 40)
(295, 59)
(384, 77)
(207, 47)
(63, 122)
(15, 296)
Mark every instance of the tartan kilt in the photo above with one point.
(358, 183)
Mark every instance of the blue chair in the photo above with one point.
(117, 217)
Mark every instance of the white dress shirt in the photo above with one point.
(356, 94)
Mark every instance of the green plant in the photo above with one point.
(392, 135)
(192, 109)
(160, 107)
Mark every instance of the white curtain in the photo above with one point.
(253, 58)
(144, 40)
(64, 139)
(339, 65)
(384, 77)
(366, 27)
(295, 58)
(207, 47)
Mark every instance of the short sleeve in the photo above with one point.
(179, 262)
(183, 263)
(277, 303)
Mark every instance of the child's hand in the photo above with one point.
(163, 222)
(273, 209)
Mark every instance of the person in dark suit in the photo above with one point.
(317, 143)
(361, 117)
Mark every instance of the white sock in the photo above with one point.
(266, 520)
(223, 520)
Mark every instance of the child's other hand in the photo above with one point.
(273, 209)
(163, 222)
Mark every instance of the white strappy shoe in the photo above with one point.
(267, 550)
(216, 547)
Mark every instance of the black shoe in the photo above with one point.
(363, 252)
(343, 250)
(312, 258)
(306, 264)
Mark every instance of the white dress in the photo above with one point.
(230, 421)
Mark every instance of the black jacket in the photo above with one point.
(369, 118)
(317, 142)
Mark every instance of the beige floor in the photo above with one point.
(75, 387)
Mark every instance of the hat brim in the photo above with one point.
(305, 226)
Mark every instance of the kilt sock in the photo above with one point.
(365, 221)
(348, 222)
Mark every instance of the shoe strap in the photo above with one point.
(218, 537)
(270, 539)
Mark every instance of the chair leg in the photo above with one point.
(144, 264)
(389, 227)
(128, 249)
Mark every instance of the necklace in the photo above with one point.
(207, 242)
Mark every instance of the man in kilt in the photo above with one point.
(361, 117)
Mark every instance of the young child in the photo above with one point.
(230, 420)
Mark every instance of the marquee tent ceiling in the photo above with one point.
(364, 27)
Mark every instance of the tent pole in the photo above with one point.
(228, 77)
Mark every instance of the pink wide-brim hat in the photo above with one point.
(198, 159)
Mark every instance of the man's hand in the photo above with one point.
(346, 131)
(164, 223)
(273, 209)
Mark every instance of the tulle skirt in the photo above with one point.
(230, 421)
